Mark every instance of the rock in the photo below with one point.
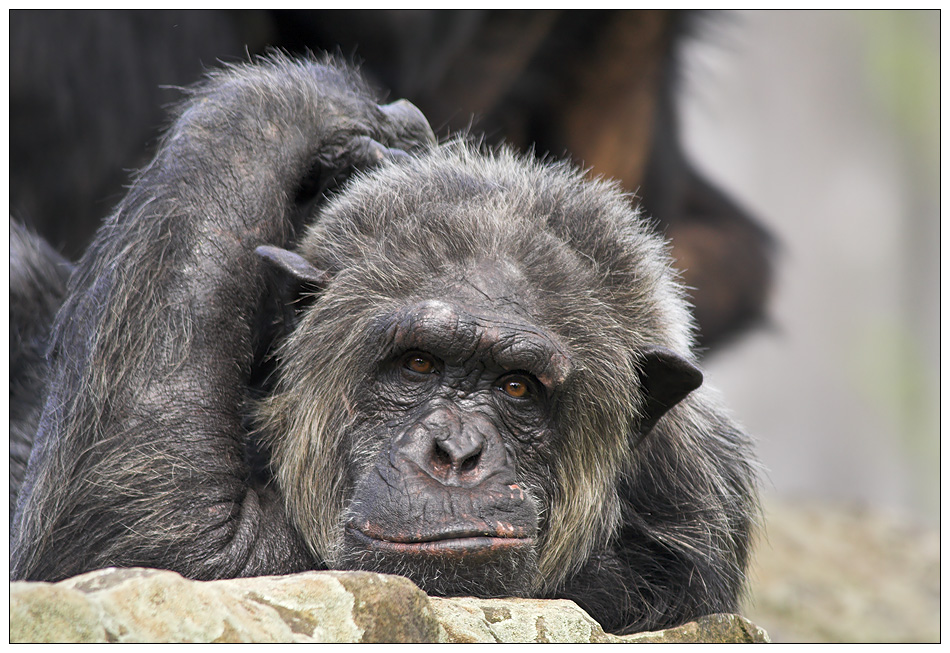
(149, 605)
(467, 620)
(715, 628)
(839, 573)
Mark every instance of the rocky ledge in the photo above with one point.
(149, 605)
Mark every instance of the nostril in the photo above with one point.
(441, 459)
(471, 462)
(446, 459)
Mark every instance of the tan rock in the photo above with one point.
(150, 605)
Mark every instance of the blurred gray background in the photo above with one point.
(825, 125)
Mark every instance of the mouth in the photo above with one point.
(442, 544)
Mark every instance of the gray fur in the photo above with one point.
(142, 455)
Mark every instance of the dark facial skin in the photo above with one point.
(463, 401)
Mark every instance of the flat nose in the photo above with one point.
(455, 448)
(457, 452)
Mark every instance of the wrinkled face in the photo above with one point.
(458, 421)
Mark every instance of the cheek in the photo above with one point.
(530, 429)
(536, 446)
(532, 446)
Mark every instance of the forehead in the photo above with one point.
(460, 333)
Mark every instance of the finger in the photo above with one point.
(366, 152)
(408, 125)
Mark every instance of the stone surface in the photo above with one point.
(825, 573)
(467, 619)
(149, 605)
(715, 628)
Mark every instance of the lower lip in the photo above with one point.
(456, 545)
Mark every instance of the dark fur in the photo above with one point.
(38, 277)
(644, 499)
(87, 87)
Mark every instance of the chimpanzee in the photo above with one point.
(310, 337)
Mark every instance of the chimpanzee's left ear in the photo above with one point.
(295, 265)
(666, 378)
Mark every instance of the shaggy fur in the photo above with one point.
(148, 449)
(38, 277)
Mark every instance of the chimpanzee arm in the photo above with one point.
(140, 454)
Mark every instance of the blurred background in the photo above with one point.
(825, 125)
(794, 164)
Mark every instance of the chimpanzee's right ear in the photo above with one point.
(294, 265)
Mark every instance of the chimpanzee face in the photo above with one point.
(461, 405)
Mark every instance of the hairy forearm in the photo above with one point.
(152, 351)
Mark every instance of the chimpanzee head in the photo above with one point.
(481, 343)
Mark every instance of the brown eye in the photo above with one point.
(420, 364)
(516, 386)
